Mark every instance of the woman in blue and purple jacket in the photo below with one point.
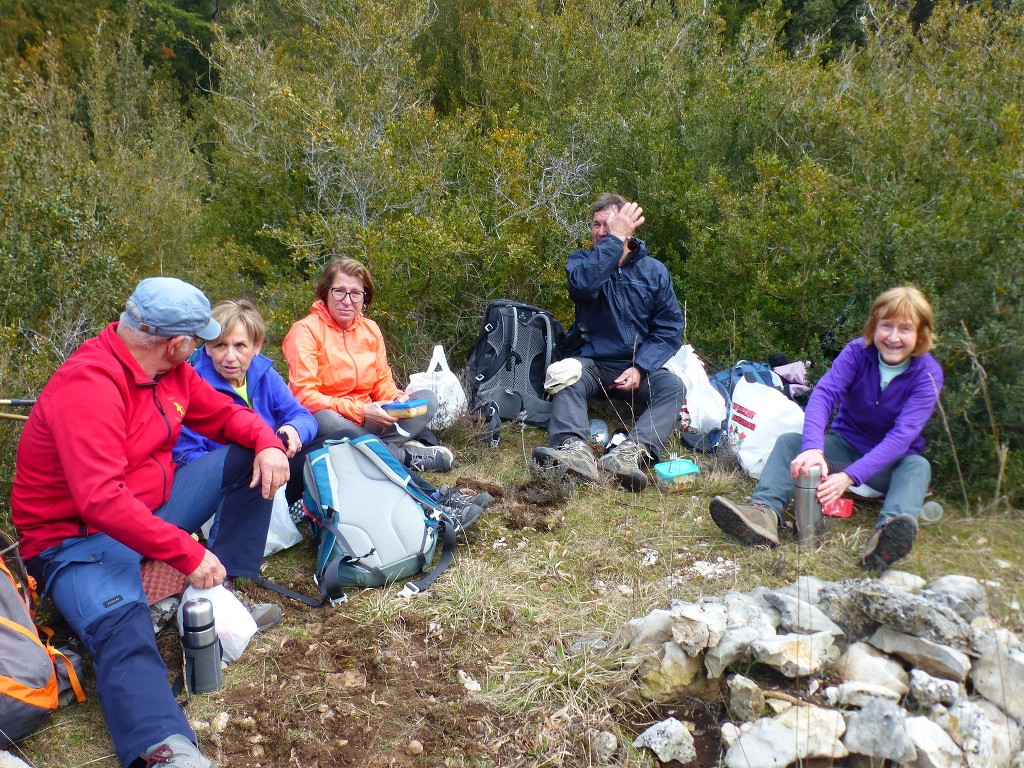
(882, 388)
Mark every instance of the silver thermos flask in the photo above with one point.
(203, 671)
(807, 509)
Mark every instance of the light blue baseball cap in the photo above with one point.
(167, 306)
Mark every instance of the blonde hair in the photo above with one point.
(903, 303)
(243, 311)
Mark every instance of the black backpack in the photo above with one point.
(510, 358)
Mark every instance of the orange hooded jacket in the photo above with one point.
(338, 370)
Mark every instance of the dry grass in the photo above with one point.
(527, 610)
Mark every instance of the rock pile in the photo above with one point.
(923, 676)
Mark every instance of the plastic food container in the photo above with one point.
(675, 474)
(406, 410)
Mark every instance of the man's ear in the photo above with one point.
(174, 344)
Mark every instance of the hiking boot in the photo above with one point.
(266, 615)
(754, 524)
(574, 456)
(464, 510)
(427, 458)
(453, 497)
(175, 751)
(892, 542)
(623, 461)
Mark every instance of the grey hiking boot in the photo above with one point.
(175, 751)
(464, 510)
(266, 615)
(754, 524)
(574, 456)
(623, 461)
(892, 542)
(427, 458)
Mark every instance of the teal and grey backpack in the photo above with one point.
(371, 524)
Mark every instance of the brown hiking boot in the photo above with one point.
(892, 542)
(754, 524)
(623, 461)
(573, 456)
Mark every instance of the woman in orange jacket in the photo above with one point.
(338, 369)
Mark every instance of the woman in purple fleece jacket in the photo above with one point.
(885, 386)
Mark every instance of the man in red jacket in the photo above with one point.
(95, 491)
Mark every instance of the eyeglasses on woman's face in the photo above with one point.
(340, 294)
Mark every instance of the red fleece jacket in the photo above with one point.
(95, 453)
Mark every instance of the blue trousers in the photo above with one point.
(660, 394)
(904, 482)
(95, 583)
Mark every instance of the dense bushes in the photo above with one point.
(455, 147)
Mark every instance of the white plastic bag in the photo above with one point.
(235, 625)
(759, 414)
(704, 408)
(438, 378)
(282, 533)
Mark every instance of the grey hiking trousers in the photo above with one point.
(660, 395)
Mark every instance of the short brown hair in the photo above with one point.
(904, 302)
(230, 311)
(607, 200)
(352, 268)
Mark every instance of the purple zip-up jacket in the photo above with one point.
(881, 426)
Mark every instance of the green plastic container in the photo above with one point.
(674, 475)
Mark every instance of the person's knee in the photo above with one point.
(666, 386)
(915, 465)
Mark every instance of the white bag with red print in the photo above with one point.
(759, 414)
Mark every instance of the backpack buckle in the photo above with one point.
(409, 590)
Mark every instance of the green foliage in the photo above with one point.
(454, 146)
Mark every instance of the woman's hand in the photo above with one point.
(802, 464)
(290, 437)
(833, 488)
(376, 416)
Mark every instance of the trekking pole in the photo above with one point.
(15, 402)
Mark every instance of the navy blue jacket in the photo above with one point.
(270, 396)
(628, 315)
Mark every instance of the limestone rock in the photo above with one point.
(914, 615)
(857, 694)
(805, 588)
(935, 749)
(746, 700)
(998, 674)
(935, 659)
(669, 740)
(602, 746)
(697, 627)
(731, 732)
(653, 629)
(766, 745)
(836, 600)
(748, 611)
(816, 731)
(796, 615)
(928, 691)
(963, 594)
(733, 647)
(864, 663)
(987, 737)
(670, 672)
(796, 655)
(902, 580)
(877, 730)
